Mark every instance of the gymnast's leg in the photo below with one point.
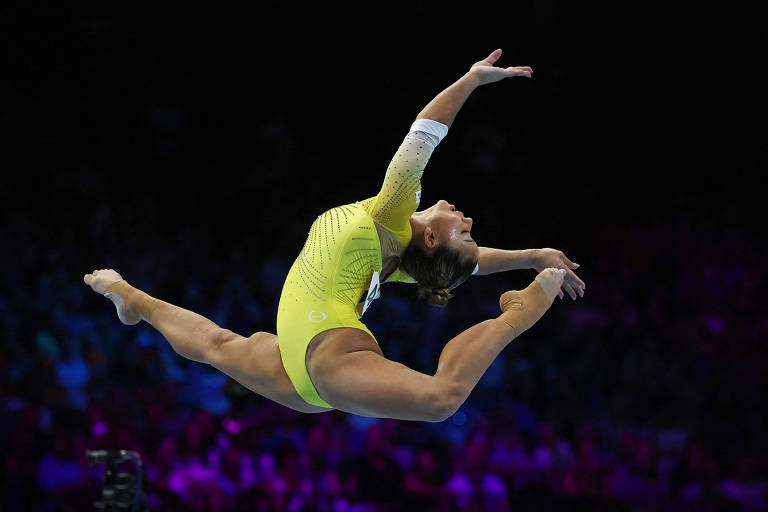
(253, 361)
(466, 357)
(352, 374)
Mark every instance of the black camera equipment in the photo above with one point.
(121, 491)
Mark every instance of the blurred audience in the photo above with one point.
(647, 394)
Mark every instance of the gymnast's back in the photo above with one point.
(346, 244)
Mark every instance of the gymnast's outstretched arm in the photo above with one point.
(444, 107)
(490, 261)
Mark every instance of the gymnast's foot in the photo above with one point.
(550, 279)
(522, 309)
(100, 281)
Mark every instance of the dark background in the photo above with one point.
(183, 147)
(623, 122)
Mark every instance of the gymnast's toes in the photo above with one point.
(100, 280)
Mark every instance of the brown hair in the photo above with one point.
(436, 272)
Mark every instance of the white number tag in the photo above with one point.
(373, 291)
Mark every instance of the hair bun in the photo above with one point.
(446, 292)
(436, 272)
(436, 296)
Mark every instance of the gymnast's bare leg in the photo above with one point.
(346, 365)
(349, 371)
(254, 361)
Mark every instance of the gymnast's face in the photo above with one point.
(446, 225)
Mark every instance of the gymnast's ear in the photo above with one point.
(430, 239)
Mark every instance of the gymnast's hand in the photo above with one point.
(552, 258)
(487, 73)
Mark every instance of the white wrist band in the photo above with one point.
(431, 127)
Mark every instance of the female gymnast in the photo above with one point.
(323, 357)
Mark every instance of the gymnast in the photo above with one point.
(323, 357)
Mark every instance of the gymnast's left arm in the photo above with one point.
(492, 260)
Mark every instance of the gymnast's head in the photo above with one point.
(442, 253)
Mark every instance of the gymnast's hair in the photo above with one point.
(436, 272)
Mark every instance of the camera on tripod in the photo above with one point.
(121, 491)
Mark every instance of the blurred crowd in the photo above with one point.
(647, 394)
(192, 156)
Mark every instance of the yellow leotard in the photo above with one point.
(342, 258)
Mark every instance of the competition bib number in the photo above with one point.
(373, 291)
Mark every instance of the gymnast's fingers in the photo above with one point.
(568, 288)
(493, 57)
(576, 283)
(513, 71)
(573, 277)
(568, 262)
(519, 71)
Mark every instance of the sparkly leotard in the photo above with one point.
(342, 259)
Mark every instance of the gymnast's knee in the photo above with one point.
(218, 337)
(444, 404)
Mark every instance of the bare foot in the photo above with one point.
(102, 279)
